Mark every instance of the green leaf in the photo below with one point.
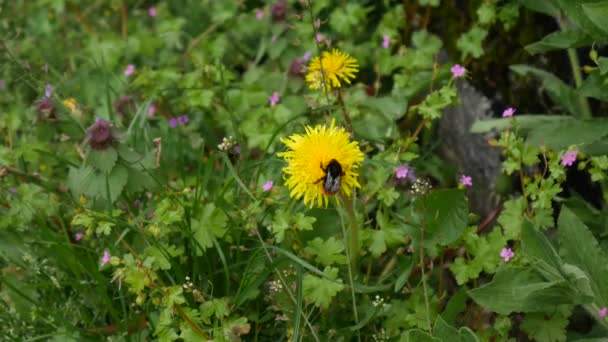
(445, 215)
(512, 217)
(548, 7)
(470, 43)
(280, 224)
(486, 255)
(537, 248)
(321, 291)
(580, 248)
(558, 91)
(486, 13)
(378, 245)
(432, 106)
(303, 222)
(446, 332)
(597, 12)
(520, 290)
(117, 181)
(560, 40)
(388, 196)
(210, 224)
(417, 335)
(103, 160)
(544, 327)
(327, 252)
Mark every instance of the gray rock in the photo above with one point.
(470, 153)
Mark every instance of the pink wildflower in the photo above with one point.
(569, 158)
(130, 70)
(319, 37)
(182, 120)
(402, 171)
(466, 181)
(507, 254)
(151, 110)
(507, 113)
(172, 122)
(259, 14)
(386, 41)
(152, 11)
(78, 236)
(268, 186)
(106, 258)
(458, 70)
(274, 99)
(602, 312)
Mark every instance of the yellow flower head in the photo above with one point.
(308, 157)
(71, 104)
(327, 72)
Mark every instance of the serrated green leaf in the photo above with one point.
(512, 217)
(210, 224)
(544, 327)
(580, 248)
(520, 290)
(320, 291)
(471, 42)
(445, 215)
(327, 252)
(103, 160)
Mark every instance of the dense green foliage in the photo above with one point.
(138, 140)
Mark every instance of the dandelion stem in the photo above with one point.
(351, 280)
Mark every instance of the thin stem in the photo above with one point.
(354, 231)
(421, 248)
(351, 281)
(585, 110)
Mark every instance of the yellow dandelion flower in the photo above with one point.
(327, 72)
(71, 104)
(320, 163)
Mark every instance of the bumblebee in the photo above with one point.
(331, 180)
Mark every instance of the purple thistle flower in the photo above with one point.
(278, 10)
(101, 135)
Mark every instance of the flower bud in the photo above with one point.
(100, 135)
